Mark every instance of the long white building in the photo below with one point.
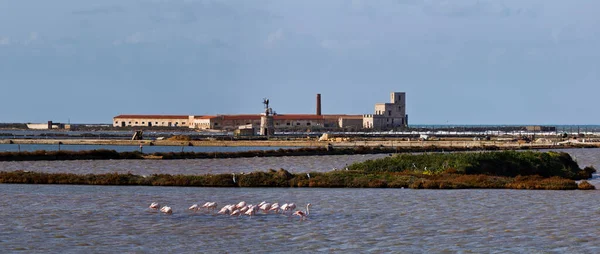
(387, 116)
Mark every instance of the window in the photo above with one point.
(129, 122)
(276, 123)
(287, 123)
(297, 123)
(136, 122)
(155, 122)
(143, 122)
(307, 123)
(389, 112)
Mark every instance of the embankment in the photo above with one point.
(498, 170)
(447, 144)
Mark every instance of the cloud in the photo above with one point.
(274, 38)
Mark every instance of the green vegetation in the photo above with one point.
(103, 154)
(497, 170)
(506, 163)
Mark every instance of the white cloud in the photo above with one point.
(274, 37)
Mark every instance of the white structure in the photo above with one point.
(152, 120)
(388, 115)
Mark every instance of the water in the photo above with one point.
(296, 164)
(84, 219)
(191, 167)
(145, 149)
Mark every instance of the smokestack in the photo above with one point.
(318, 104)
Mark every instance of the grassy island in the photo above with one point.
(491, 170)
(104, 154)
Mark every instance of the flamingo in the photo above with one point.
(166, 210)
(291, 207)
(225, 209)
(236, 213)
(302, 214)
(275, 207)
(284, 207)
(210, 206)
(241, 204)
(154, 206)
(251, 210)
(265, 207)
(194, 207)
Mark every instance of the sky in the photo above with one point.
(459, 61)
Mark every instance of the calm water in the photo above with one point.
(145, 149)
(59, 219)
(64, 218)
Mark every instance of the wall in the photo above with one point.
(146, 122)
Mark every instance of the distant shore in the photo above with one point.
(313, 143)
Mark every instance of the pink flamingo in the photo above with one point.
(166, 210)
(302, 214)
(154, 206)
(210, 206)
(194, 207)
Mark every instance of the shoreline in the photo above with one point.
(307, 143)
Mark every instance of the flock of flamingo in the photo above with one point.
(241, 208)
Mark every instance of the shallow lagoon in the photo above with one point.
(71, 218)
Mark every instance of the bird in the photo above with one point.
(265, 207)
(302, 214)
(225, 209)
(241, 204)
(233, 177)
(154, 206)
(251, 210)
(308, 174)
(210, 206)
(290, 207)
(236, 213)
(275, 207)
(194, 207)
(166, 210)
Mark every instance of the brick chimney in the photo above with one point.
(318, 104)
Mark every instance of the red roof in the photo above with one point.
(297, 117)
(154, 116)
(204, 117)
(239, 117)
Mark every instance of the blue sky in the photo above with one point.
(459, 61)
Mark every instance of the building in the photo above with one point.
(387, 116)
(49, 125)
(151, 120)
